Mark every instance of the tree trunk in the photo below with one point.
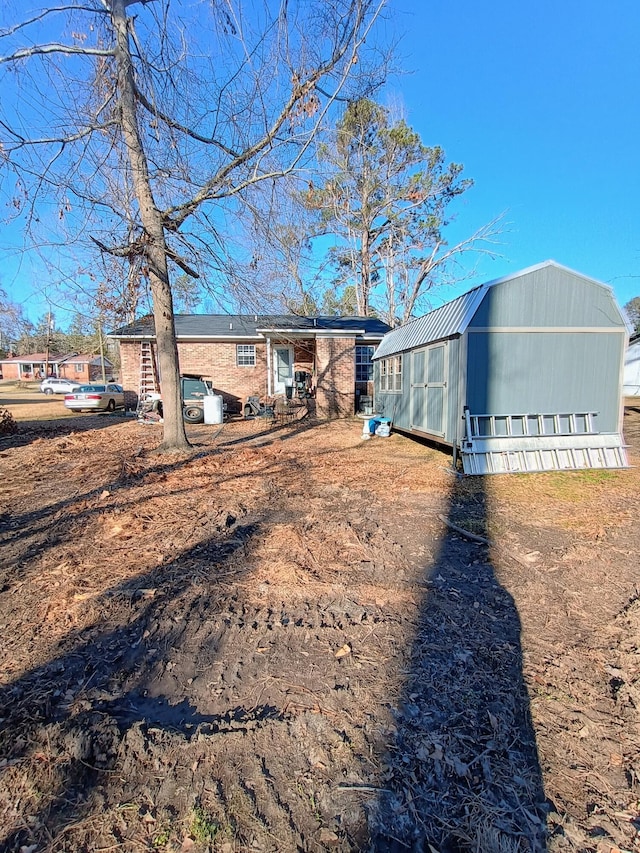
(365, 276)
(174, 438)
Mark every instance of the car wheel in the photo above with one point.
(193, 414)
(111, 406)
(48, 390)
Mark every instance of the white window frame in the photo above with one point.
(391, 375)
(245, 355)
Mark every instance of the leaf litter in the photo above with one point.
(275, 643)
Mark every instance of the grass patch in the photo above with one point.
(203, 827)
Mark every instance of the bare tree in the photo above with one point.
(13, 323)
(387, 199)
(276, 267)
(632, 308)
(179, 116)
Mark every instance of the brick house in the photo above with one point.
(259, 355)
(85, 368)
(31, 368)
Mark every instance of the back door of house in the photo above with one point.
(282, 368)
(429, 389)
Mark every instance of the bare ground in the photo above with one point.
(278, 643)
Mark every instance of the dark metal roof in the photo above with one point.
(252, 325)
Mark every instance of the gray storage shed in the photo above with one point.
(523, 373)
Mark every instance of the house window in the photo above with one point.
(364, 365)
(391, 374)
(78, 368)
(246, 355)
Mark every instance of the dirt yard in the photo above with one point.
(279, 643)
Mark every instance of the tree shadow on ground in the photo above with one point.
(462, 770)
(67, 717)
(460, 773)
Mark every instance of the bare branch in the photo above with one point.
(45, 49)
(181, 128)
(175, 216)
(67, 139)
(23, 24)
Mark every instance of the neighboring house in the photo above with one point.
(29, 368)
(85, 368)
(81, 368)
(631, 386)
(253, 355)
(523, 373)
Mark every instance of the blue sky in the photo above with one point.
(541, 103)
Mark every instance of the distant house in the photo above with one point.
(253, 355)
(30, 368)
(522, 373)
(84, 368)
(631, 387)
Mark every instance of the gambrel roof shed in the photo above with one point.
(521, 373)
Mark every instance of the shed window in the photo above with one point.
(391, 374)
(364, 365)
(246, 355)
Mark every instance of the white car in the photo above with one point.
(52, 385)
(96, 397)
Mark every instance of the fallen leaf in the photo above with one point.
(343, 651)
(328, 838)
(146, 592)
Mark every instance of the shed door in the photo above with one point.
(429, 389)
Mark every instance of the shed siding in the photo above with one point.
(547, 297)
(456, 388)
(544, 341)
(398, 407)
(514, 373)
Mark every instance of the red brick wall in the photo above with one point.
(10, 371)
(214, 360)
(130, 366)
(217, 361)
(335, 377)
(304, 356)
(68, 371)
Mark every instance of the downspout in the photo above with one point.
(269, 382)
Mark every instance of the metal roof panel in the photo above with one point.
(443, 322)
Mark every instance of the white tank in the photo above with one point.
(213, 409)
